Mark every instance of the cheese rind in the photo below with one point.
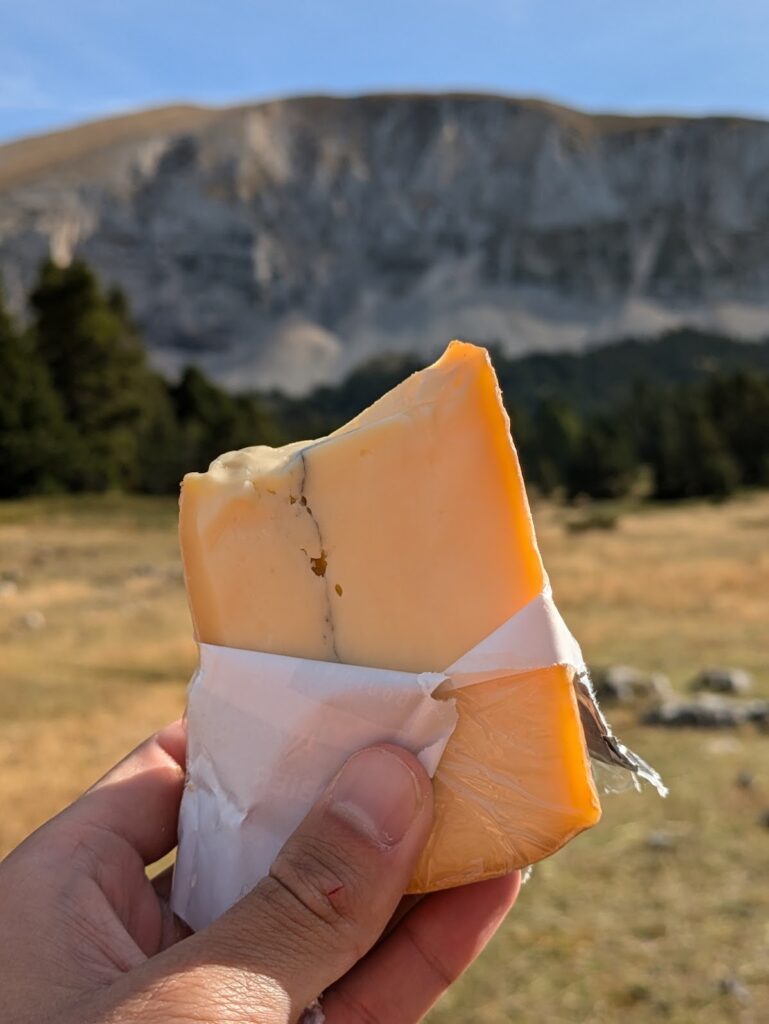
(401, 541)
(497, 808)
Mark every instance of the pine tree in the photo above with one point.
(713, 472)
(213, 421)
(35, 444)
(604, 465)
(555, 438)
(97, 365)
(690, 458)
(738, 405)
(208, 417)
(162, 455)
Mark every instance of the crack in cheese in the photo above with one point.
(400, 541)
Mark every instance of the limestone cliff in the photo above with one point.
(281, 243)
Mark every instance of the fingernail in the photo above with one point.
(377, 793)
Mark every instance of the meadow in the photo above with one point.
(661, 913)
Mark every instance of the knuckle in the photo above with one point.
(354, 1010)
(314, 874)
(431, 963)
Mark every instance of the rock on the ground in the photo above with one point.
(33, 620)
(660, 839)
(730, 985)
(708, 712)
(623, 684)
(145, 569)
(723, 680)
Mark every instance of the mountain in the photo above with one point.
(283, 243)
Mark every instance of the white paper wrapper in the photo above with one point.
(266, 733)
(535, 637)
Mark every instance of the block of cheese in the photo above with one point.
(401, 541)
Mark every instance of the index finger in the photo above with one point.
(139, 798)
(427, 951)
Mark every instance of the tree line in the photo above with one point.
(82, 410)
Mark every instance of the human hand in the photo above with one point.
(86, 938)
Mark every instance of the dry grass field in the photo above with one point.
(660, 914)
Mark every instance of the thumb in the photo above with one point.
(330, 892)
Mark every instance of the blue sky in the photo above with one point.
(62, 61)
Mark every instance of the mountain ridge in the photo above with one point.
(18, 155)
(282, 243)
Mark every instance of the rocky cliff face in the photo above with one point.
(281, 243)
